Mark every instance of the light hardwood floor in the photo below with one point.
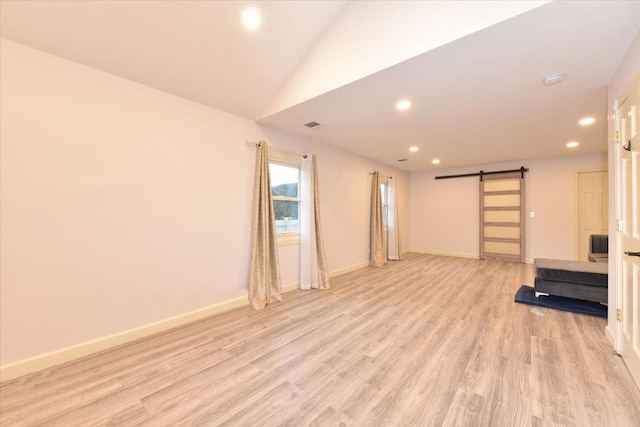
(427, 341)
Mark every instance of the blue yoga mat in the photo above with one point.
(526, 295)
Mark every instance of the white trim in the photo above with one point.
(452, 254)
(287, 198)
(609, 336)
(68, 354)
(291, 286)
(348, 269)
(284, 157)
(615, 267)
(77, 351)
(576, 215)
(285, 239)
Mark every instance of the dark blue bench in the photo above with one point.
(572, 279)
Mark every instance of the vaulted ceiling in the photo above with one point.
(472, 70)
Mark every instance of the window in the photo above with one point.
(385, 201)
(284, 172)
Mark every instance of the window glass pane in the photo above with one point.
(286, 216)
(285, 209)
(284, 180)
(383, 194)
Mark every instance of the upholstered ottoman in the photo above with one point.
(572, 279)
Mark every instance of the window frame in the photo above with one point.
(283, 158)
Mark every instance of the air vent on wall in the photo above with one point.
(312, 125)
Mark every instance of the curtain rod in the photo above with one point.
(258, 143)
(390, 177)
(522, 170)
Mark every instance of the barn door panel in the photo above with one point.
(502, 217)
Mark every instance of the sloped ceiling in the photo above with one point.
(195, 49)
(472, 70)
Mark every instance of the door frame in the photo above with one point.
(615, 271)
(614, 334)
(576, 205)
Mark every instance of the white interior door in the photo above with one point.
(628, 195)
(593, 209)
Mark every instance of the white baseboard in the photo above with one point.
(77, 351)
(453, 254)
(608, 333)
(289, 287)
(68, 354)
(456, 254)
(348, 269)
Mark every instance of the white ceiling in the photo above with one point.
(480, 99)
(476, 100)
(195, 49)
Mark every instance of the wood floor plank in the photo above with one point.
(552, 398)
(465, 409)
(508, 403)
(426, 341)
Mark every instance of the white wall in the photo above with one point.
(122, 205)
(345, 186)
(444, 213)
(628, 69)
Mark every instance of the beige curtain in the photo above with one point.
(377, 257)
(393, 236)
(313, 260)
(264, 277)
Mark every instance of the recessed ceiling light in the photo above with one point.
(587, 121)
(403, 105)
(572, 144)
(251, 18)
(552, 79)
(435, 161)
(414, 149)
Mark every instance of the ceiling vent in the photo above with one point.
(312, 125)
